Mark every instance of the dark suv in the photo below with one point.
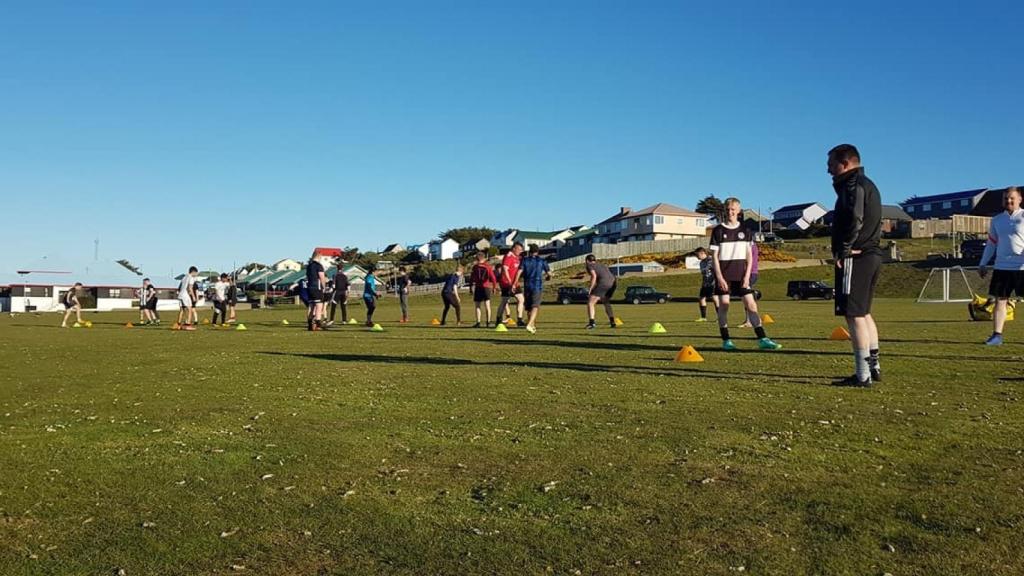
(573, 295)
(972, 249)
(804, 289)
(639, 294)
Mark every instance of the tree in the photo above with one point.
(468, 234)
(712, 205)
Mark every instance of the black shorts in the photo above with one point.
(707, 291)
(481, 294)
(508, 291)
(151, 305)
(736, 289)
(315, 295)
(604, 291)
(340, 298)
(533, 298)
(855, 284)
(1005, 283)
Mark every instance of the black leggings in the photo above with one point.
(222, 309)
(344, 309)
(450, 302)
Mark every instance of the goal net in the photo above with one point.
(957, 284)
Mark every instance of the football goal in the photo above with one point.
(956, 284)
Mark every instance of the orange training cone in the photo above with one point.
(435, 322)
(839, 333)
(767, 319)
(175, 326)
(129, 325)
(689, 354)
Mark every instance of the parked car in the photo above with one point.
(972, 249)
(640, 294)
(573, 295)
(804, 289)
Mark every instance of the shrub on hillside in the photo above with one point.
(768, 253)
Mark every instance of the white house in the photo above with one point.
(799, 216)
(443, 249)
(287, 264)
(423, 249)
(41, 286)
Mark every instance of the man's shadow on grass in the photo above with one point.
(681, 372)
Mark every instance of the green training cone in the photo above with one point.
(377, 328)
(657, 328)
(241, 327)
(353, 321)
(501, 328)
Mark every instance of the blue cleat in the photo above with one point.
(994, 340)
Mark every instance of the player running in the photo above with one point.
(483, 281)
(602, 288)
(71, 304)
(856, 231)
(1006, 244)
(535, 270)
(730, 249)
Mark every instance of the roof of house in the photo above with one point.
(792, 207)
(894, 212)
(583, 233)
(943, 197)
(660, 208)
(288, 278)
(393, 248)
(534, 235)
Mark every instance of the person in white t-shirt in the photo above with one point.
(1006, 244)
(220, 299)
(187, 298)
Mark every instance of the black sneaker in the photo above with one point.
(876, 374)
(520, 324)
(477, 325)
(853, 382)
(611, 324)
(591, 325)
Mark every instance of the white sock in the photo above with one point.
(861, 360)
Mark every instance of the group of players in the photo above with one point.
(728, 271)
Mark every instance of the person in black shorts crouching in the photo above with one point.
(602, 288)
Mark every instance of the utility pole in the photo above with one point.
(96, 250)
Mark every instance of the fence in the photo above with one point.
(572, 255)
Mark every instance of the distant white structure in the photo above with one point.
(286, 264)
(443, 249)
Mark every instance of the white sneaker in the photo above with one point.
(531, 329)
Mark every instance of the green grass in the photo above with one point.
(427, 450)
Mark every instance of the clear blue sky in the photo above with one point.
(216, 132)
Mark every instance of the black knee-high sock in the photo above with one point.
(724, 331)
(760, 332)
(704, 311)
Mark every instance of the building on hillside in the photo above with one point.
(582, 240)
(472, 247)
(658, 222)
(41, 285)
(393, 249)
(990, 203)
(799, 216)
(942, 205)
(636, 268)
(443, 249)
(422, 249)
(286, 264)
(544, 240)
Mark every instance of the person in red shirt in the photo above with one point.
(483, 281)
(509, 282)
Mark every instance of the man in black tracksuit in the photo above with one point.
(856, 231)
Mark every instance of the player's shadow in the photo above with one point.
(624, 346)
(462, 362)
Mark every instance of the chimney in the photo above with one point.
(624, 210)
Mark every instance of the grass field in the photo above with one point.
(426, 450)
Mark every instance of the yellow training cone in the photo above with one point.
(353, 321)
(88, 323)
(657, 328)
(839, 333)
(689, 354)
(767, 319)
(241, 327)
(377, 328)
(501, 328)
(76, 325)
(285, 322)
(206, 320)
(129, 325)
(618, 321)
(435, 322)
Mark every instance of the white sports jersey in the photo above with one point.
(1006, 241)
(183, 289)
(220, 291)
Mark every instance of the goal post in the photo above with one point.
(955, 284)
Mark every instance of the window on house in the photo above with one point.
(910, 209)
(659, 219)
(965, 202)
(115, 292)
(624, 225)
(947, 205)
(926, 207)
(701, 222)
(28, 290)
